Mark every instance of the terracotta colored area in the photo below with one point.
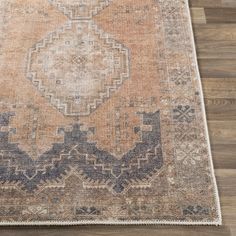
(22, 32)
(132, 24)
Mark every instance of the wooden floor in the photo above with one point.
(215, 33)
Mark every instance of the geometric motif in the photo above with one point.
(180, 75)
(188, 154)
(135, 166)
(183, 113)
(80, 9)
(87, 211)
(195, 210)
(93, 164)
(77, 67)
(183, 132)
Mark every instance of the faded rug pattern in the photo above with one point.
(101, 115)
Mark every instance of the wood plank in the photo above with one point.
(216, 88)
(198, 15)
(220, 108)
(228, 3)
(213, 3)
(222, 132)
(119, 230)
(224, 156)
(226, 180)
(215, 32)
(216, 49)
(217, 68)
(220, 15)
(206, 3)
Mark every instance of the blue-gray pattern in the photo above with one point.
(97, 165)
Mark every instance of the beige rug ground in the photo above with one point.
(102, 118)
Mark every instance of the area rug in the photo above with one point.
(102, 118)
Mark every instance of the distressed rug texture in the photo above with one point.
(102, 118)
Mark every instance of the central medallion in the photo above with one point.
(78, 67)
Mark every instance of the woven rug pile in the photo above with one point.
(102, 118)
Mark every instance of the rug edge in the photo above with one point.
(210, 159)
(150, 222)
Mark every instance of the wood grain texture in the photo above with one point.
(215, 33)
(220, 15)
(198, 15)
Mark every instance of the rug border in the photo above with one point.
(218, 222)
(210, 159)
